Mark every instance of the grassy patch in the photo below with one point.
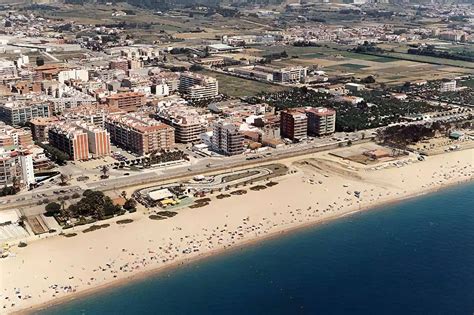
(222, 196)
(202, 200)
(258, 187)
(96, 227)
(168, 214)
(156, 217)
(198, 205)
(271, 184)
(433, 60)
(69, 234)
(239, 87)
(352, 66)
(313, 55)
(125, 221)
(468, 83)
(239, 192)
(237, 176)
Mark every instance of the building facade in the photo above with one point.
(128, 102)
(138, 133)
(39, 127)
(16, 168)
(227, 138)
(293, 124)
(448, 86)
(71, 140)
(197, 87)
(321, 121)
(19, 113)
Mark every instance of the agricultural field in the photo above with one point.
(393, 69)
(239, 87)
(469, 83)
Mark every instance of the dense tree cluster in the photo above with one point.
(367, 47)
(432, 52)
(402, 135)
(58, 156)
(94, 204)
(375, 111)
(8, 190)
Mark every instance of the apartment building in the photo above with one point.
(139, 133)
(80, 140)
(70, 100)
(290, 74)
(171, 79)
(7, 70)
(94, 114)
(21, 111)
(11, 136)
(293, 124)
(448, 86)
(16, 168)
(27, 87)
(281, 75)
(188, 124)
(129, 102)
(70, 139)
(119, 64)
(197, 87)
(39, 127)
(227, 138)
(321, 121)
(98, 139)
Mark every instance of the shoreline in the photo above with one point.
(143, 274)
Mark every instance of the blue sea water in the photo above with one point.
(414, 257)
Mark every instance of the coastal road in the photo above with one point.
(202, 166)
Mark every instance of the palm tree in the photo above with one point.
(16, 183)
(105, 171)
(64, 179)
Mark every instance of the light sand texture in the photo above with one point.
(320, 188)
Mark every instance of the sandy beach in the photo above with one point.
(319, 187)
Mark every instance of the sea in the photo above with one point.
(412, 257)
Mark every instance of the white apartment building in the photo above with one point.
(197, 87)
(73, 74)
(227, 138)
(16, 167)
(187, 122)
(21, 111)
(448, 86)
(7, 69)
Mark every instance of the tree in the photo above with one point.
(21, 221)
(369, 79)
(105, 172)
(16, 183)
(87, 192)
(64, 179)
(39, 61)
(52, 208)
(130, 204)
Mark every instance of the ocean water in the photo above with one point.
(414, 257)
